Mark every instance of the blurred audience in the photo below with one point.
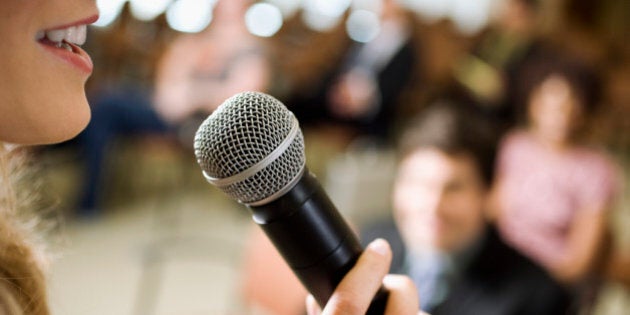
(195, 75)
(199, 71)
(554, 191)
(489, 75)
(363, 91)
(117, 111)
(440, 235)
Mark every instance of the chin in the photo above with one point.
(65, 124)
(68, 129)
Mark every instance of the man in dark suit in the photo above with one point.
(363, 91)
(440, 235)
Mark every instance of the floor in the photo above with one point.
(175, 249)
(153, 258)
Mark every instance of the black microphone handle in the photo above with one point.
(314, 239)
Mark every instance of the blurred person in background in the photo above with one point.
(489, 75)
(440, 235)
(199, 71)
(363, 91)
(554, 191)
(194, 76)
(42, 100)
(119, 93)
(118, 111)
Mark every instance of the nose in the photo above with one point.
(439, 204)
(431, 203)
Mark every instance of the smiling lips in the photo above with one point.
(64, 42)
(63, 37)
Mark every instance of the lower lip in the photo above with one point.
(77, 58)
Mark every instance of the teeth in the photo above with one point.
(71, 34)
(81, 35)
(74, 34)
(67, 47)
(64, 45)
(56, 35)
(40, 35)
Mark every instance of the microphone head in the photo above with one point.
(251, 147)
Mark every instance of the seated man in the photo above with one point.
(440, 235)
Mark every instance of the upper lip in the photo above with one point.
(88, 20)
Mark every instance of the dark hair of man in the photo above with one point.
(455, 129)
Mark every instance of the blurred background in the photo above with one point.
(140, 232)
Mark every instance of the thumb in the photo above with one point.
(357, 289)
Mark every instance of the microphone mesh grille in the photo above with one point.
(243, 131)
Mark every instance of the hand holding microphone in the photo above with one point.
(252, 149)
(354, 293)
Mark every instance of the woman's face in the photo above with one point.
(554, 111)
(42, 69)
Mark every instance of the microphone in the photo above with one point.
(251, 147)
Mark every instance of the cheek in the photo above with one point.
(410, 202)
(402, 204)
(413, 219)
(464, 214)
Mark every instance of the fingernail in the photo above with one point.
(380, 246)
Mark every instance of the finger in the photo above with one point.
(312, 308)
(355, 292)
(403, 296)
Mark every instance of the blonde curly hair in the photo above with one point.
(22, 289)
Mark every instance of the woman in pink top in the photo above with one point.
(553, 191)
